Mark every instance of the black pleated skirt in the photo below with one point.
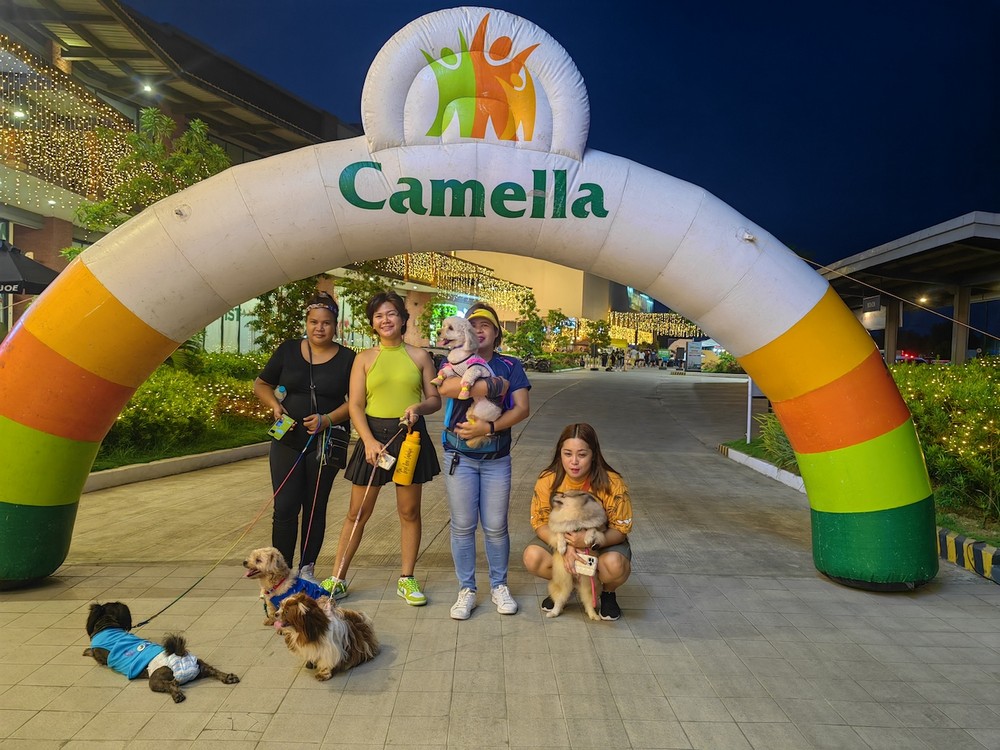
(359, 471)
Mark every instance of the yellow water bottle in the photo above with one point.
(407, 460)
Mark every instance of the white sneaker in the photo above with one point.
(504, 601)
(463, 606)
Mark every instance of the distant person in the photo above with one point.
(478, 479)
(391, 390)
(315, 372)
(578, 464)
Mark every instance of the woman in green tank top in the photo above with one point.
(390, 389)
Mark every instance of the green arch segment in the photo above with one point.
(889, 545)
(34, 540)
(49, 470)
(878, 474)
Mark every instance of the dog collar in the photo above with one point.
(271, 590)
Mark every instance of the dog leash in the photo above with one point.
(371, 478)
(233, 545)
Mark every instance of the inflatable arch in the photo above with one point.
(476, 124)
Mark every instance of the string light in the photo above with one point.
(625, 324)
(454, 276)
(51, 130)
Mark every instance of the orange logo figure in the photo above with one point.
(479, 86)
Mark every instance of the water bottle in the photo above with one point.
(280, 393)
(407, 460)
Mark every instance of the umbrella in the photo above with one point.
(19, 274)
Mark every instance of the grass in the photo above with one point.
(232, 433)
(967, 526)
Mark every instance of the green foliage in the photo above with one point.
(245, 367)
(437, 309)
(529, 337)
(774, 443)
(558, 331)
(726, 363)
(154, 168)
(956, 411)
(280, 313)
(599, 333)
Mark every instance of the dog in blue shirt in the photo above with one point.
(168, 666)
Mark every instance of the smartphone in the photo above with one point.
(587, 566)
(281, 426)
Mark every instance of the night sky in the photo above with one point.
(837, 127)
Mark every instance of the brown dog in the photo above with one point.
(167, 666)
(574, 511)
(325, 636)
(277, 581)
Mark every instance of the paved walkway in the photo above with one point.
(729, 639)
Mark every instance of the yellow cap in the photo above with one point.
(481, 313)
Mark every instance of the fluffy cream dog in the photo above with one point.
(277, 581)
(326, 636)
(459, 337)
(574, 511)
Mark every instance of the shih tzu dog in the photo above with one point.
(575, 511)
(277, 580)
(325, 636)
(167, 666)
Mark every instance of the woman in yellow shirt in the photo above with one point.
(390, 386)
(578, 464)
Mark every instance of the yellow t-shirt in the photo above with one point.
(617, 503)
(394, 382)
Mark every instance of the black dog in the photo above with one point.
(168, 666)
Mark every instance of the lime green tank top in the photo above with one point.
(394, 382)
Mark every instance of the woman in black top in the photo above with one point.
(315, 373)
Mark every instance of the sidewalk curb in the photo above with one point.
(102, 480)
(977, 557)
(763, 467)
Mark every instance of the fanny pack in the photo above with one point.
(492, 448)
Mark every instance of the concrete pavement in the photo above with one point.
(729, 638)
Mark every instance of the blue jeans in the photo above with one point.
(479, 490)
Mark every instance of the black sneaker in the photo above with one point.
(547, 604)
(609, 606)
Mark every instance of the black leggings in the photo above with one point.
(296, 497)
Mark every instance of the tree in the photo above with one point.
(558, 331)
(527, 340)
(599, 333)
(437, 309)
(362, 282)
(154, 168)
(279, 314)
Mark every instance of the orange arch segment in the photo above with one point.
(78, 329)
(799, 361)
(46, 392)
(855, 408)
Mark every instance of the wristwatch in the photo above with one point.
(493, 429)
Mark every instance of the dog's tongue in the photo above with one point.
(278, 624)
(250, 574)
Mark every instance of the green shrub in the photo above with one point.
(229, 364)
(775, 443)
(726, 363)
(170, 407)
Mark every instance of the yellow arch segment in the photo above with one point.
(880, 474)
(81, 320)
(800, 360)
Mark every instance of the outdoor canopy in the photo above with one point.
(19, 274)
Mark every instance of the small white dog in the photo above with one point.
(575, 510)
(324, 635)
(458, 336)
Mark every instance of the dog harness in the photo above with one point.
(301, 586)
(127, 654)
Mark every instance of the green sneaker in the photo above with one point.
(336, 587)
(408, 588)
